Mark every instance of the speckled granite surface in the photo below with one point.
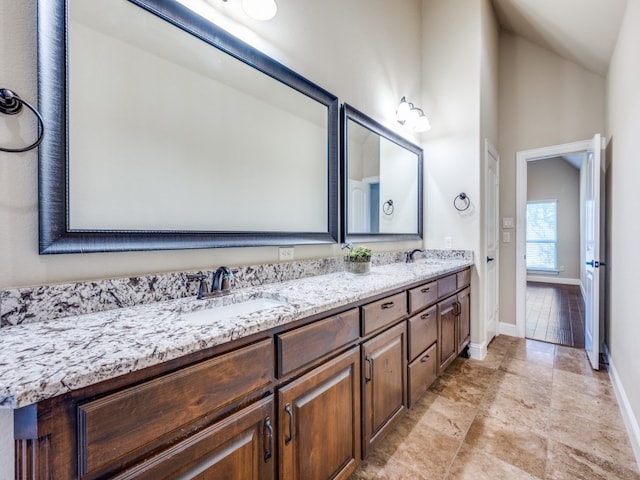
(46, 358)
(33, 304)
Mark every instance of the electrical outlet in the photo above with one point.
(285, 254)
(448, 243)
(507, 222)
(506, 237)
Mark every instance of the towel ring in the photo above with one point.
(11, 104)
(461, 202)
(387, 207)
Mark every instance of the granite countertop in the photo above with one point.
(51, 357)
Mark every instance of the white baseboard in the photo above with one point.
(549, 279)
(630, 420)
(508, 329)
(478, 351)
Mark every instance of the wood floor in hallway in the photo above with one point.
(555, 313)
(529, 410)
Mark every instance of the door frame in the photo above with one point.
(491, 150)
(522, 159)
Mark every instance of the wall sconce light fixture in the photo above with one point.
(259, 9)
(412, 117)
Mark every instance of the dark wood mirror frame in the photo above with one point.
(55, 234)
(348, 113)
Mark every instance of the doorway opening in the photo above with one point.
(554, 188)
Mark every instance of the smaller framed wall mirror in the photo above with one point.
(382, 181)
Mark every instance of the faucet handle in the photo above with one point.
(202, 278)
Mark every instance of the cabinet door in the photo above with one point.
(385, 383)
(239, 447)
(464, 319)
(447, 325)
(319, 420)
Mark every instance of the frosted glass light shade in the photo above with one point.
(403, 111)
(260, 9)
(422, 124)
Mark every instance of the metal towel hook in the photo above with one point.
(11, 104)
(461, 202)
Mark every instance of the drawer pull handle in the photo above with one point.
(425, 290)
(425, 315)
(268, 445)
(384, 306)
(367, 379)
(424, 359)
(288, 438)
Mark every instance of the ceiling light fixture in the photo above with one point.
(412, 117)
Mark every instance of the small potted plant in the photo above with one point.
(358, 260)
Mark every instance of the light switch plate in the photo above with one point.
(507, 222)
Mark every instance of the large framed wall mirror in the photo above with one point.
(382, 185)
(166, 132)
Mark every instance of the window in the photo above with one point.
(542, 235)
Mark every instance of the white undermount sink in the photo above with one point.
(216, 313)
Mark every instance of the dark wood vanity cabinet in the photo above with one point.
(384, 373)
(240, 447)
(319, 421)
(464, 319)
(304, 403)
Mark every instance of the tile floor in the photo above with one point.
(530, 410)
(555, 313)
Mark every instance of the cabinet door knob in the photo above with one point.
(424, 316)
(268, 445)
(384, 306)
(425, 290)
(288, 438)
(424, 359)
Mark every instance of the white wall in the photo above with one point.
(623, 125)
(556, 179)
(544, 100)
(365, 51)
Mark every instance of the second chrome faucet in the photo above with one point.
(220, 284)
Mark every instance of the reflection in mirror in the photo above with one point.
(179, 135)
(382, 181)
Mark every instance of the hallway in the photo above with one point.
(530, 410)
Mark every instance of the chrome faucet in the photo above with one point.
(221, 280)
(221, 283)
(410, 254)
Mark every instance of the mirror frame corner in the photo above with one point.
(347, 112)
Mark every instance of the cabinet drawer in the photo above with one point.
(447, 285)
(423, 331)
(306, 344)
(383, 312)
(422, 296)
(129, 423)
(422, 373)
(463, 278)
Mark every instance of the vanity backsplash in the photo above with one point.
(47, 302)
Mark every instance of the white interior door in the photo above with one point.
(492, 183)
(592, 255)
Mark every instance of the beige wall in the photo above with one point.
(460, 65)
(365, 51)
(623, 125)
(557, 179)
(544, 100)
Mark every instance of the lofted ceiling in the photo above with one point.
(582, 31)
